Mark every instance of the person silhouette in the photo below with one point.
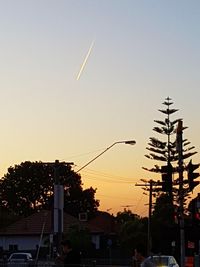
(71, 258)
(140, 254)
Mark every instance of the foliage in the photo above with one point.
(163, 225)
(28, 187)
(165, 150)
(80, 238)
(81, 200)
(164, 209)
(125, 216)
(132, 229)
(7, 217)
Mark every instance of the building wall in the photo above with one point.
(25, 243)
(96, 241)
(22, 242)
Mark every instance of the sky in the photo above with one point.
(143, 51)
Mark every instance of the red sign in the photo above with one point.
(190, 244)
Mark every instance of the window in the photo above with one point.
(83, 216)
(13, 247)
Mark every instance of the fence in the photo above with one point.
(85, 263)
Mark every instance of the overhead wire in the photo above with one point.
(138, 203)
(83, 154)
(109, 178)
(130, 199)
(106, 177)
(107, 174)
(143, 213)
(123, 180)
(106, 180)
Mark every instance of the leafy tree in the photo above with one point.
(28, 187)
(125, 216)
(132, 229)
(7, 217)
(163, 226)
(163, 210)
(81, 239)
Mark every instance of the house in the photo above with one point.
(35, 230)
(109, 227)
(105, 222)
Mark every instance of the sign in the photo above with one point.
(51, 238)
(173, 243)
(190, 244)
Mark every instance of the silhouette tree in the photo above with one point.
(132, 229)
(165, 150)
(28, 187)
(125, 216)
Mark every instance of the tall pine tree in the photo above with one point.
(165, 150)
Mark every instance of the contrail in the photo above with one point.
(85, 61)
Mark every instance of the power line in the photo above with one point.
(103, 174)
(84, 154)
(124, 198)
(106, 180)
(138, 202)
(143, 213)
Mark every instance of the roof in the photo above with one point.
(105, 221)
(34, 224)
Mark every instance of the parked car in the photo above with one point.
(20, 259)
(164, 261)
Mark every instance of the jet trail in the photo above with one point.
(85, 61)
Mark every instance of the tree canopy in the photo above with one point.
(132, 229)
(28, 187)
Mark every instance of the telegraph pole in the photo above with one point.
(179, 141)
(149, 220)
(149, 184)
(58, 205)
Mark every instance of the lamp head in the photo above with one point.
(131, 142)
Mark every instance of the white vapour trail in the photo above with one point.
(85, 61)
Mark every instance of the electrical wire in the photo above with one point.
(114, 178)
(108, 175)
(143, 213)
(106, 180)
(83, 154)
(138, 203)
(117, 197)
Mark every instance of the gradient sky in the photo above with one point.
(144, 51)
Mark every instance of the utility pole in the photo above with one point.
(58, 205)
(179, 141)
(149, 221)
(149, 184)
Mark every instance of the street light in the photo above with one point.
(59, 193)
(129, 142)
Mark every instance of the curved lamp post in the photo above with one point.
(129, 142)
(59, 194)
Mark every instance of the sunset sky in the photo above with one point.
(143, 52)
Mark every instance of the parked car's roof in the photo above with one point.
(163, 260)
(20, 255)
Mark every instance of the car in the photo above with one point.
(163, 261)
(20, 259)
